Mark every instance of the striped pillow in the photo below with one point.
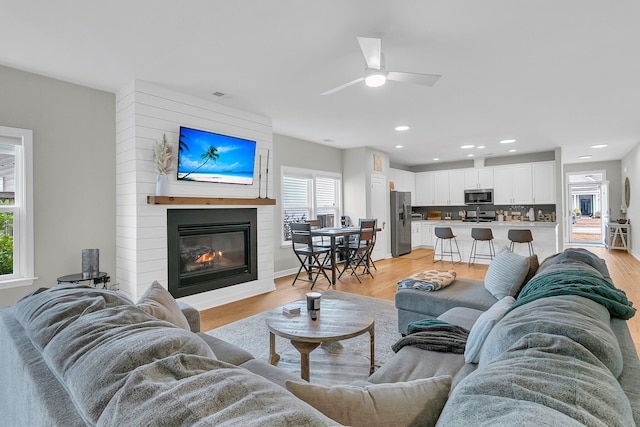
(506, 273)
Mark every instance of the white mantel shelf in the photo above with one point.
(185, 200)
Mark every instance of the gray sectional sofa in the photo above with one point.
(561, 359)
(82, 356)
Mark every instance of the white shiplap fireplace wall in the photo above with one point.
(144, 112)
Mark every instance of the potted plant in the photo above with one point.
(161, 164)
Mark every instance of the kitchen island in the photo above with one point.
(545, 236)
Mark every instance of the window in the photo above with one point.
(307, 194)
(16, 207)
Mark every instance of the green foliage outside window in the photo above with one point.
(6, 242)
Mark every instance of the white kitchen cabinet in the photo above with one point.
(544, 183)
(415, 234)
(424, 189)
(404, 181)
(426, 234)
(513, 184)
(448, 188)
(478, 178)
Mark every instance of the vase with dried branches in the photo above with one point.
(162, 156)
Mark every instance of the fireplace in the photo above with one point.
(209, 249)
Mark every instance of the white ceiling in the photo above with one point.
(548, 73)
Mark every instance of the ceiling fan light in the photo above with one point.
(375, 80)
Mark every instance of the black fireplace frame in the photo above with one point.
(186, 220)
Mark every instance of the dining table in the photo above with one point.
(333, 233)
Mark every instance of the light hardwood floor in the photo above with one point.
(624, 269)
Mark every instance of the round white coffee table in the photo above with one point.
(336, 320)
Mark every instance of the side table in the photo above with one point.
(99, 278)
(618, 236)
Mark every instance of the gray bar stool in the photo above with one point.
(484, 235)
(442, 234)
(521, 236)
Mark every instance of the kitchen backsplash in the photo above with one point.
(455, 210)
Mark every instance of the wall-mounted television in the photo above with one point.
(212, 157)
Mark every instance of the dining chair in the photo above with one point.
(357, 252)
(314, 260)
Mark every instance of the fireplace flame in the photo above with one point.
(208, 257)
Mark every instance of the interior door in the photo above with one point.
(379, 211)
(604, 215)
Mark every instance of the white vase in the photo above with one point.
(161, 185)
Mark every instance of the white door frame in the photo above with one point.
(379, 211)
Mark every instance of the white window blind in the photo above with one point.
(307, 194)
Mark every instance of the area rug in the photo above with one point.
(331, 364)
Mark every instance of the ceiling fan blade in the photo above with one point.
(415, 78)
(344, 86)
(372, 51)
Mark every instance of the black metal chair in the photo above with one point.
(357, 252)
(314, 260)
(442, 234)
(483, 235)
(521, 236)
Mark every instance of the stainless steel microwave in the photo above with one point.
(478, 197)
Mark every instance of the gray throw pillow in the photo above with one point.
(416, 403)
(159, 303)
(506, 274)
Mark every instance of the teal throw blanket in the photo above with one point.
(581, 283)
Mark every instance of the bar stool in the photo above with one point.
(484, 235)
(445, 233)
(521, 236)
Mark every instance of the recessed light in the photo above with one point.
(402, 128)
(327, 140)
(470, 155)
(513, 150)
(585, 157)
(599, 146)
(480, 147)
(507, 141)
(464, 147)
(399, 146)
(436, 159)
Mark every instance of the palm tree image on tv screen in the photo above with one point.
(211, 157)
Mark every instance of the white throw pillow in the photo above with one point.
(159, 303)
(417, 402)
(506, 273)
(481, 328)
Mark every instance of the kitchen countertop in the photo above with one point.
(524, 224)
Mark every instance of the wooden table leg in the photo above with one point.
(274, 357)
(372, 344)
(304, 348)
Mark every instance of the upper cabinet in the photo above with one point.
(448, 188)
(513, 184)
(424, 189)
(544, 183)
(478, 178)
(516, 184)
(403, 181)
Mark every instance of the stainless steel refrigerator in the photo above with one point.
(400, 223)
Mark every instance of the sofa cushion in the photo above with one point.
(158, 302)
(417, 402)
(577, 318)
(461, 316)
(543, 380)
(189, 390)
(506, 273)
(460, 293)
(483, 326)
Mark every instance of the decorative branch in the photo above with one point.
(162, 156)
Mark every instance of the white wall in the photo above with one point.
(631, 169)
(74, 168)
(144, 112)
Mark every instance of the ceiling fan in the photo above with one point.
(376, 74)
